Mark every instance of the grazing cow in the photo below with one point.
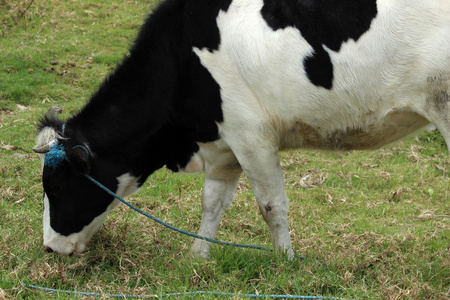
(223, 85)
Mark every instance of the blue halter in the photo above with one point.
(57, 154)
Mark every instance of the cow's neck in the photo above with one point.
(135, 119)
(160, 100)
(128, 114)
(130, 105)
(126, 118)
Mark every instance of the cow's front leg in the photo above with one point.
(222, 176)
(261, 165)
(217, 197)
(274, 206)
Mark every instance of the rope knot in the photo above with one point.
(55, 156)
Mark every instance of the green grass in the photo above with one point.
(367, 222)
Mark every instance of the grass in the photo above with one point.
(369, 223)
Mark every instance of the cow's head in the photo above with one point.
(74, 207)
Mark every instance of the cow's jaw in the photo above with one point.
(75, 242)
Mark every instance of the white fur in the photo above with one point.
(128, 184)
(263, 82)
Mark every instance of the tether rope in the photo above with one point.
(172, 227)
(217, 294)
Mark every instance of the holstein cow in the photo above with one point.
(223, 85)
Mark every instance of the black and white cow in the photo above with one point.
(223, 85)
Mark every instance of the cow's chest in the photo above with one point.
(363, 136)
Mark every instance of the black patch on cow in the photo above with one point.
(321, 23)
(201, 16)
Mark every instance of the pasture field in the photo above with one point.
(372, 225)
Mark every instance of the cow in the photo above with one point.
(222, 86)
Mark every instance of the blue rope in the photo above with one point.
(84, 148)
(119, 296)
(55, 156)
(172, 227)
(254, 296)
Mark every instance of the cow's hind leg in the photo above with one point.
(222, 176)
(436, 105)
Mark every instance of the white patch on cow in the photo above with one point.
(127, 184)
(219, 161)
(76, 242)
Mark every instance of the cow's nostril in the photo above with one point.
(48, 249)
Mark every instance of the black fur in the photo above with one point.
(51, 121)
(322, 23)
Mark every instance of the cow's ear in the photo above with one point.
(79, 157)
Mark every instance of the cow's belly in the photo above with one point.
(374, 135)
